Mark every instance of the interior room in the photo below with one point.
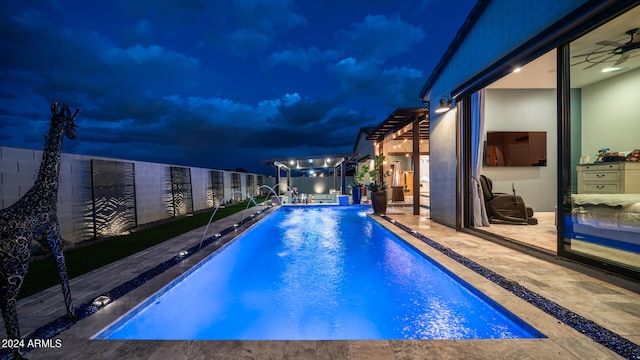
(604, 223)
(520, 115)
(605, 82)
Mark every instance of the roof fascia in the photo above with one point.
(461, 35)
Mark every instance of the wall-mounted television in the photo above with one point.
(516, 148)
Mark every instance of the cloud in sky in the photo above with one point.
(214, 84)
(303, 58)
(380, 37)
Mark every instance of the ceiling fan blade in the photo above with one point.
(609, 43)
(590, 66)
(593, 52)
(622, 59)
(600, 62)
(580, 62)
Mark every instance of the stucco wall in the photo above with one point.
(150, 192)
(443, 167)
(18, 171)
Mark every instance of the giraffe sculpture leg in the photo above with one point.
(52, 242)
(15, 263)
(10, 316)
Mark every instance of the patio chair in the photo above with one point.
(504, 208)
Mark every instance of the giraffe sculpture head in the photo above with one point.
(61, 116)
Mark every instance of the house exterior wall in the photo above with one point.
(19, 167)
(443, 165)
(363, 146)
(502, 27)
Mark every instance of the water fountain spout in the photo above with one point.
(218, 207)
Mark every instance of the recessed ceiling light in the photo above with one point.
(517, 70)
(610, 69)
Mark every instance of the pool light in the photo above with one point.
(183, 253)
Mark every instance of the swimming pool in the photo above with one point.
(317, 273)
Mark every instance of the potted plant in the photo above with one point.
(358, 184)
(378, 187)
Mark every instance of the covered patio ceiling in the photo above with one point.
(398, 120)
(315, 162)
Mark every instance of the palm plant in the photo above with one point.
(377, 175)
(358, 179)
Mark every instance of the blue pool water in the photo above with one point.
(312, 273)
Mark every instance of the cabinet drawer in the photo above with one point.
(599, 167)
(608, 188)
(600, 176)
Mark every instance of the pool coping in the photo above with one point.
(542, 321)
(584, 326)
(529, 332)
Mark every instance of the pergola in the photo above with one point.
(335, 163)
(411, 124)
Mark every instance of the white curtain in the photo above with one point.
(480, 217)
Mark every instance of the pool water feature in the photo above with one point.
(318, 273)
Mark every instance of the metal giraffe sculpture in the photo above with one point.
(33, 217)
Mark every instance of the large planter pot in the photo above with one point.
(379, 202)
(356, 194)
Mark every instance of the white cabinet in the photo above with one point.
(609, 178)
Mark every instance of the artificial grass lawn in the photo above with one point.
(44, 274)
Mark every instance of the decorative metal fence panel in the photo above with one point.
(251, 187)
(114, 197)
(182, 197)
(236, 187)
(260, 185)
(216, 188)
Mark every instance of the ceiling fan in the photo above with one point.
(602, 55)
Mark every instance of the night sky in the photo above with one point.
(216, 84)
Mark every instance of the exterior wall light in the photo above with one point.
(445, 105)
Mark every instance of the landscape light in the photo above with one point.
(101, 301)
